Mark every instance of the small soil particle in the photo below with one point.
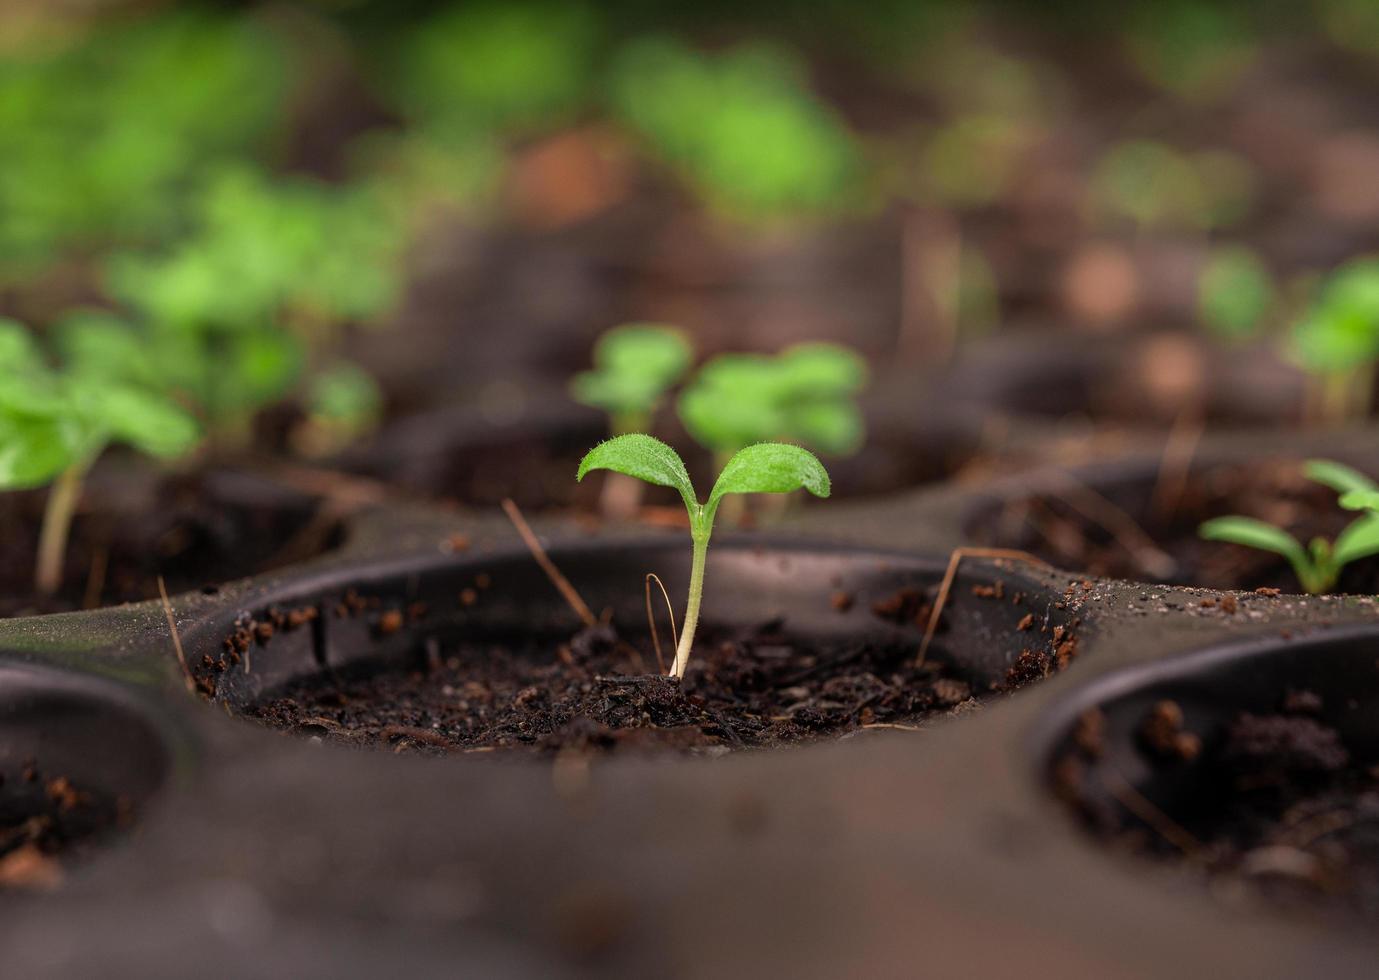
(1162, 733)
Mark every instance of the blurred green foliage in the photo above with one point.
(804, 394)
(1341, 330)
(742, 126)
(53, 419)
(1158, 186)
(1235, 293)
(101, 138)
(634, 366)
(1194, 49)
(501, 65)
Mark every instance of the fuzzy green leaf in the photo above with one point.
(1360, 500)
(635, 364)
(1338, 477)
(1254, 533)
(646, 458)
(34, 450)
(1359, 540)
(19, 352)
(817, 370)
(148, 422)
(770, 467)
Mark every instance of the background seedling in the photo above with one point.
(55, 424)
(762, 468)
(1319, 564)
(743, 127)
(805, 394)
(1235, 294)
(634, 366)
(1337, 342)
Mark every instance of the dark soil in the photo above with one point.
(1282, 811)
(44, 818)
(195, 531)
(1073, 530)
(758, 689)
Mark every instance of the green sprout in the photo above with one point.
(102, 133)
(634, 366)
(1337, 342)
(1235, 293)
(743, 126)
(771, 467)
(805, 394)
(54, 424)
(1156, 185)
(1318, 565)
(262, 290)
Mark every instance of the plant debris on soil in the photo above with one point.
(48, 820)
(753, 689)
(1071, 531)
(1285, 812)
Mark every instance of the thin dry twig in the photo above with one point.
(1098, 509)
(950, 576)
(1175, 464)
(1138, 804)
(176, 638)
(896, 726)
(651, 620)
(539, 553)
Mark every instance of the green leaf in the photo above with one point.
(646, 458)
(97, 344)
(34, 450)
(835, 428)
(1338, 477)
(770, 467)
(1254, 533)
(820, 369)
(1360, 500)
(660, 354)
(19, 352)
(1359, 540)
(146, 421)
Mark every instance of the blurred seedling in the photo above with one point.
(635, 365)
(760, 468)
(806, 394)
(1317, 565)
(262, 290)
(1235, 294)
(1337, 342)
(743, 127)
(1156, 186)
(55, 423)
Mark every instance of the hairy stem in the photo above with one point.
(57, 522)
(696, 593)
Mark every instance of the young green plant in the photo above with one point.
(804, 394)
(1337, 342)
(54, 425)
(1318, 565)
(769, 467)
(634, 366)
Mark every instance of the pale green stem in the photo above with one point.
(696, 593)
(57, 522)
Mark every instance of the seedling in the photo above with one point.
(1337, 343)
(771, 467)
(743, 126)
(803, 394)
(1318, 565)
(1235, 293)
(54, 425)
(634, 366)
